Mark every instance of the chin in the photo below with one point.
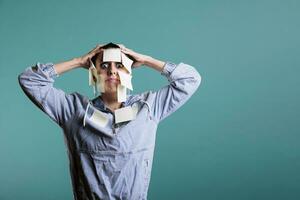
(111, 90)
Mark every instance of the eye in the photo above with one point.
(104, 65)
(119, 65)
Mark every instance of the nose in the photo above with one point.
(112, 70)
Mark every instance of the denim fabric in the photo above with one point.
(113, 161)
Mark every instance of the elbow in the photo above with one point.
(21, 79)
(197, 78)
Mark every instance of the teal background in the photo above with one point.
(237, 138)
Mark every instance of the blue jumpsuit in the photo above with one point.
(113, 161)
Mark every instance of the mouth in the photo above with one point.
(112, 80)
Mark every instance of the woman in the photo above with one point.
(112, 161)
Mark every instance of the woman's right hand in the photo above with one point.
(85, 59)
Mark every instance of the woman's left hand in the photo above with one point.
(140, 59)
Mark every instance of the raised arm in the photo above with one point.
(183, 82)
(37, 83)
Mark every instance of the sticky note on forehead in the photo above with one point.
(112, 55)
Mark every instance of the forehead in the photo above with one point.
(109, 55)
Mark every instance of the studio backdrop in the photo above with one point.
(237, 138)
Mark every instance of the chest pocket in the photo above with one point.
(100, 121)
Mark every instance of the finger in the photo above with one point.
(96, 51)
(93, 49)
(96, 48)
(125, 51)
(99, 45)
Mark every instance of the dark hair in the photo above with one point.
(108, 46)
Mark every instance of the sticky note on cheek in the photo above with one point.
(100, 84)
(121, 93)
(112, 55)
(127, 62)
(125, 79)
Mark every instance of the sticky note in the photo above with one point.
(112, 55)
(127, 62)
(98, 118)
(124, 114)
(100, 84)
(92, 73)
(125, 79)
(121, 93)
(90, 77)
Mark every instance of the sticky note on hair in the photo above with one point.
(112, 55)
(125, 79)
(127, 62)
(124, 114)
(121, 92)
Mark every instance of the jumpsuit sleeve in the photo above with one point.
(37, 83)
(183, 82)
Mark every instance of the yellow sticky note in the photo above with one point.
(121, 93)
(125, 79)
(99, 118)
(124, 114)
(127, 62)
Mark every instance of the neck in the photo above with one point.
(111, 101)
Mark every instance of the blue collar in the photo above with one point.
(98, 103)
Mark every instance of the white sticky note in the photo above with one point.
(121, 93)
(92, 72)
(112, 55)
(91, 81)
(127, 62)
(124, 114)
(98, 118)
(100, 84)
(125, 79)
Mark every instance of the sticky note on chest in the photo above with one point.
(95, 117)
(125, 114)
(99, 118)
